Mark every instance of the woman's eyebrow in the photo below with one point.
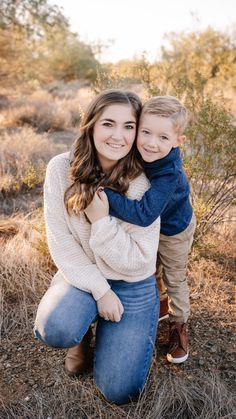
(112, 120)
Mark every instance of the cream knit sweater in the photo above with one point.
(87, 255)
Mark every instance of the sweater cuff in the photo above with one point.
(100, 292)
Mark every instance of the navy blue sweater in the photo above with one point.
(167, 197)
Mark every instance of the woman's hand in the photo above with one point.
(98, 207)
(110, 307)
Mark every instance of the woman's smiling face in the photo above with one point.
(114, 134)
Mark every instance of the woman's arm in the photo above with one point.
(125, 250)
(66, 252)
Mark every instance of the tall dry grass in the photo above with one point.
(171, 393)
(44, 112)
(25, 270)
(23, 158)
(198, 396)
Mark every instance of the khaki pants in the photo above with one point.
(172, 261)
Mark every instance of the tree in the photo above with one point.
(211, 53)
(36, 44)
(30, 15)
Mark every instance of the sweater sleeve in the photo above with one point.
(125, 250)
(67, 253)
(145, 211)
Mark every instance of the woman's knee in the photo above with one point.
(64, 315)
(54, 333)
(118, 394)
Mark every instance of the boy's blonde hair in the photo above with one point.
(167, 107)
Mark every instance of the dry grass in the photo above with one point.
(25, 270)
(213, 266)
(23, 158)
(43, 112)
(171, 393)
(165, 397)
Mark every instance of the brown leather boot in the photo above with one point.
(178, 343)
(79, 358)
(164, 314)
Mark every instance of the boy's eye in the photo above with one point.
(144, 131)
(164, 138)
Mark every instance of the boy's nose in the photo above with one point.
(152, 142)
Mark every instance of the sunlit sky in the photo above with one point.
(135, 26)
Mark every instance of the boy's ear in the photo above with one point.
(181, 139)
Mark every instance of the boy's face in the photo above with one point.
(156, 137)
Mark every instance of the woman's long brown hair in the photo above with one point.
(85, 172)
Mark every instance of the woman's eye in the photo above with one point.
(129, 126)
(107, 124)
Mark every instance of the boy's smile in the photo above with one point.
(156, 137)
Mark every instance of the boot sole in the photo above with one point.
(166, 316)
(176, 360)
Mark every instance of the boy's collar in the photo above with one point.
(173, 155)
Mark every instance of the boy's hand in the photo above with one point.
(98, 207)
(110, 307)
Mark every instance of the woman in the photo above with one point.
(105, 266)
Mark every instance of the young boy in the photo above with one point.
(160, 134)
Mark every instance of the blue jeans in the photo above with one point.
(124, 350)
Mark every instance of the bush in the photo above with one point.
(209, 152)
(23, 158)
(43, 114)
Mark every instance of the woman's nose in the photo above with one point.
(117, 133)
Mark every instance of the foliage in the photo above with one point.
(30, 15)
(108, 78)
(209, 155)
(64, 56)
(37, 46)
(210, 161)
(210, 52)
(42, 112)
(23, 158)
(33, 174)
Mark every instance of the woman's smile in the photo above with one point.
(117, 146)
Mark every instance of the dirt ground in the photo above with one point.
(34, 384)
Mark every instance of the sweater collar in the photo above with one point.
(174, 154)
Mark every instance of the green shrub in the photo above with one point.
(34, 174)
